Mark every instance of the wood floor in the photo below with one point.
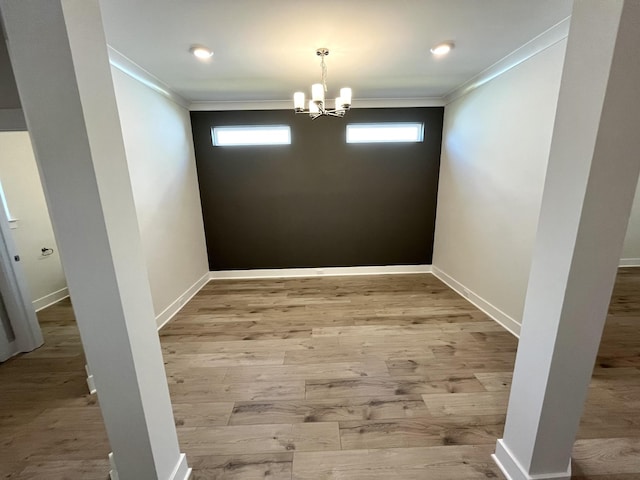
(343, 378)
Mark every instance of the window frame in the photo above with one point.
(215, 137)
(419, 138)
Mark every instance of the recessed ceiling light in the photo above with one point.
(201, 52)
(442, 48)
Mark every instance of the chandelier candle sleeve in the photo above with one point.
(339, 104)
(298, 101)
(345, 96)
(317, 92)
(313, 107)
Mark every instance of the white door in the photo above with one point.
(19, 328)
(7, 336)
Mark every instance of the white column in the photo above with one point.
(591, 179)
(59, 55)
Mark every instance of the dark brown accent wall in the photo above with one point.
(318, 202)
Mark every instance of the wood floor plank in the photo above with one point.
(180, 346)
(179, 373)
(66, 470)
(271, 466)
(372, 368)
(341, 354)
(328, 410)
(482, 403)
(205, 392)
(232, 359)
(387, 330)
(613, 456)
(420, 432)
(495, 381)
(202, 414)
(370, 386)
(417, 463)
(253, 439)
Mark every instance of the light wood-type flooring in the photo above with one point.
(328, 378)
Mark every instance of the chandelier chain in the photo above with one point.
(324, 73)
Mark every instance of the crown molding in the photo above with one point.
(546, 39)
(288, 104)
(241, 105)
(398, 102)
(135, 71)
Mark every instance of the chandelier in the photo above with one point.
(317, 104)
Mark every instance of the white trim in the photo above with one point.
(398, 102)
(12, 120)
(168, 313)
(90, 380)
(113, 473)
(288, 104)
(494, 312)
(135, 71)
(182, 470)
(546, 39)
(225, 105)
(48, 300)
(318, 272)
(513, 470)
(630, 262)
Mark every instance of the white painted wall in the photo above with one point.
(25, 198)
(159, 147)
(495, 150)
(494, 156)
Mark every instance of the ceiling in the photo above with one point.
(265, 49)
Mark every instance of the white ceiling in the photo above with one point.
(265, 49)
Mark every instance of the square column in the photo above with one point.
(59, 55)
(592, 175)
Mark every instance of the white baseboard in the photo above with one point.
(512, 469)
(630, 262)
(494, 312)
(113, 473)
(168, 313)
(182, 470)
(50, 299)
(91, 383)
(318, 272)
